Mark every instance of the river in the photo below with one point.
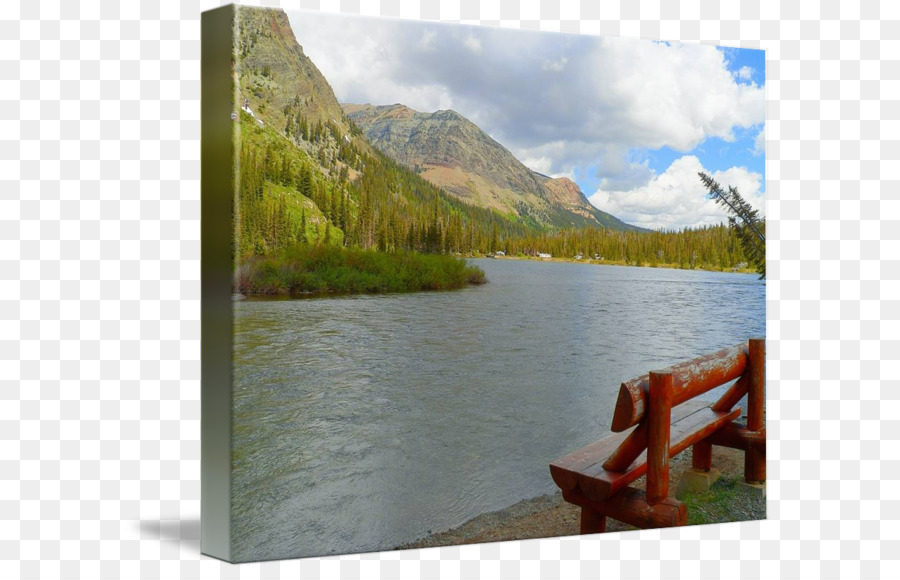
(364, 422)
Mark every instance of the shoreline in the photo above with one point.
(238, 295)
(548, 516)
(619, 263)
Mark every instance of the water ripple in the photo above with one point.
(361, 423)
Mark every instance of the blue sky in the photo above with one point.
(630, 121)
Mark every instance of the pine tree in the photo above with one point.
(302, 236)
(745, 220)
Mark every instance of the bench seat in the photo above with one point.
(582, 471)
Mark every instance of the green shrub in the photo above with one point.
(321, 269)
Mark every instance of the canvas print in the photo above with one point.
(477, 284)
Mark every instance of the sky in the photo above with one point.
(631, 121)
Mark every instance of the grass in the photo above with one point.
(725, 501)
(306, 270)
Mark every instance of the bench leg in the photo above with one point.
(754, 458)
(629, 506)
(754, 465)
(701, 456)
(592, 522)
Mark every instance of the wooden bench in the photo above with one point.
(655, 419)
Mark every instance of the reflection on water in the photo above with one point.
(361, 423)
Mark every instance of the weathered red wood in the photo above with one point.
(631, 403)
(598, 484)
(754, 459)
(756, 384)
(701, 455)
(629, 450)
(659, 410)
(630, 506)
(732, 396)
(566, 470)
(754, 465)
(596, 477)
(690, 379)
(737, 436)
(592, 521)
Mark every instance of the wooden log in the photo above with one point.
(732, 396)
(599, 484)
(630, 506)
(566, 470)
(754, 459)
(629, 450)
(754, 465)
(737, 436)
(592, 521)
(690, 379)
(701, 455)
(756, 384)
(658, 427)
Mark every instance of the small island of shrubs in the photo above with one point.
(311, 270)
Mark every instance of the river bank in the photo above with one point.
(665, 266)
(550, 516)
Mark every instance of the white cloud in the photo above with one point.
(555, 65)
(561, 103)
(598, 97)
(759, 144)
(539, 164)
(426, 42)
(676, 198)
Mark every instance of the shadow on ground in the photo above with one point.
(186, 532)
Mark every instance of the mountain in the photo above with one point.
(308, 175)
(278, 82)
(455, 154)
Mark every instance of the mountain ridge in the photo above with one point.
(308, 174)
(313, 176)
(454, 153)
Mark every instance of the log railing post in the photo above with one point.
(754, 459)
(592, 522)
(658, 431)
(701, 456)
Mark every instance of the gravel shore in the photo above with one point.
(550, 516)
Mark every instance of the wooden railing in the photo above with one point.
(593, 476)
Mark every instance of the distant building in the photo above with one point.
(543, 255)
(500, 253)
(578, 256)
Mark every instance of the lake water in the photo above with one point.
(364, 422)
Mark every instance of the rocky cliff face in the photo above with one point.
(282, 88)
(277, 80)
(455, 154)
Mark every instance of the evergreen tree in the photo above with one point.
(748, 226)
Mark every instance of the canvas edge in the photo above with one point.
(216, 185)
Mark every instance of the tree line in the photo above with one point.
(714, 247)
(296, 187)
(387, 207)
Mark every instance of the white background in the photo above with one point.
(100, 296)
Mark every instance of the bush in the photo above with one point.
(314, 270)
